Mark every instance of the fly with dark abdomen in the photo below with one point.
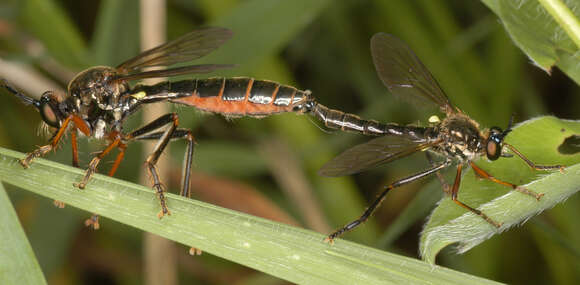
(457, 139)
(99, 99)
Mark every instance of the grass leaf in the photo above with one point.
(286, 252)
(18, 265)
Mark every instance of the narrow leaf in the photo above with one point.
(286, 252)
(18, 265)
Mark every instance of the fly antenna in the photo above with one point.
(25, 99)
(511, 122)
(509, 127)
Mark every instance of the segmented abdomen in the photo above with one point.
(237, 96)
(336, 119)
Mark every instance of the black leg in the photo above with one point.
(440, 177)
(368, 212)
(188, 159)
(164, 137)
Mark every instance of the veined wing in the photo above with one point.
(201, 68)
(373, 153)
(403, 73)
(188, 47)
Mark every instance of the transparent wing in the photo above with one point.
(371, 154)
(403, 73)
(202, 68)
(186, 48)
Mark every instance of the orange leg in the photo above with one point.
(531, 163)
(454, 191)
(483, 174)
(95, 162)
(122, 147)
(75, 148)
(78, 122)
(93, 221)
(75, 158)
(41, 151)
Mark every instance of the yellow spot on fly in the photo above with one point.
(139, 95)
(434, 119)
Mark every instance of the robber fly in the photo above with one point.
(99, 99)
(457, 139)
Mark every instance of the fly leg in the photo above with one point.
(43, 150)
(187, 160)
(163, 139)
(93, 221)
(531, 163)
(115, 138)
(454, 191)
(78, 124)
(440, 177)
(75, 148)
(75, 159)
(484, 174)
(369, 211)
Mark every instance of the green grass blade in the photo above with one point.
(18, 265)
(547, 31)
(286, 252)
(539, 139)
(116, 39)
(47, 21)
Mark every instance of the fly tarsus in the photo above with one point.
(92, 169)
(330, 238)
(158, 187)
(528, 192)
(41, 151)
(479, 213)
(164, 138)
(93, 222)
(59, 204)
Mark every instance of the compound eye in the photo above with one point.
(493, 144)
(493, 149)
(48, 112)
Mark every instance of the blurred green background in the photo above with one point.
(265, 166)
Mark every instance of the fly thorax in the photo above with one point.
(461, 137)
(465, 143)
(96, 87)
